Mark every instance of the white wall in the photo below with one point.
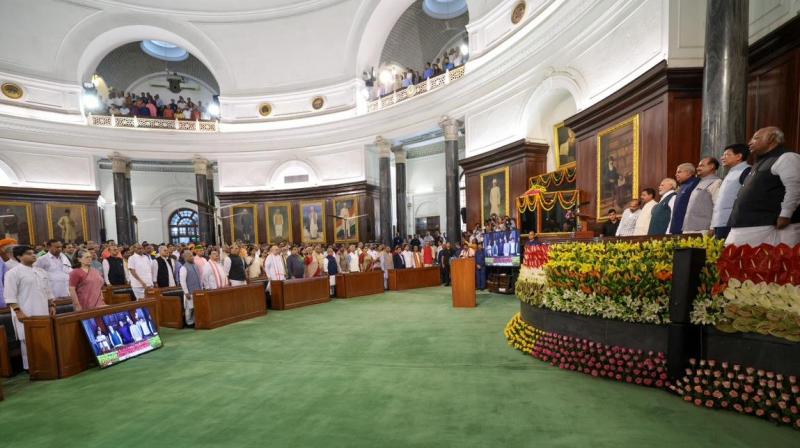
(155, 196)
(425, 186)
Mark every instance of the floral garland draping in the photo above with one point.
(546, 201)
(554, 178)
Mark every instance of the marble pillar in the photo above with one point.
(132, 227)
(213, 201)
(453, 228)
(725, 76)
(400, 185)
(201, 182)
(384, 153)
(123, 218)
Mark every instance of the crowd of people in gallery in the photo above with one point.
(448, 60)
(147, 105)
(752, 204)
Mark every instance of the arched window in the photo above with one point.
(183, 226)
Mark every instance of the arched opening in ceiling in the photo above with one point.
(429, 31)
(161, 70)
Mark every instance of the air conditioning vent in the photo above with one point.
(295, 179)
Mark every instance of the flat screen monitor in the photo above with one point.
(502, 248)
(121, 335)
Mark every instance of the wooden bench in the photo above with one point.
(113, 295)
(354, 284)
(170, 306)
(218, 307)
(400, 279)
(294, 293)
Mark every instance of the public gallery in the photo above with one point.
(400, 223)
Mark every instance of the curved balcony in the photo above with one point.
(416, 89)
(112, 121)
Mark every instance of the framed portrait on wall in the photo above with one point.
(16, 221)
(279, 222)
(494, 193)
(345, 225)
(617, 166)
(244, 223)
(313, 216)
(67, 222)
(564, 144)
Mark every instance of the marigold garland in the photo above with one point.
(546, 201)
(555, 178)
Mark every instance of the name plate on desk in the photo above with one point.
(294, 293)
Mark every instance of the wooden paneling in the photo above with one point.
(39, 198)
(170, 306)
(217, 307)
(113, 295)
(463, 277)
(288, 294)
(400, 279)
(356, 284)
(5, 355)
(524, 160)
(363, 192)
(668, 102)
(41, 343)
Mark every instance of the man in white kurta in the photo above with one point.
(647, 199)
(57, 266)
(140, 266)
(274, 267)
(27, 292)
(214, 276)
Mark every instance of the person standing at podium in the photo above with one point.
(480, 268)
(27, 292)
(191, 280)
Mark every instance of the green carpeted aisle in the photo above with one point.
(400, 369)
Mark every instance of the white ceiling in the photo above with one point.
(252, 47)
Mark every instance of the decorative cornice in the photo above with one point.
(504, 155)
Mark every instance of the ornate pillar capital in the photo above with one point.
(200, 166)
(449, 127)
(119, 164)
(399, 154)
(384, 146)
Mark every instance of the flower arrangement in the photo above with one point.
(630, 281)
(721, 385)
(752, 290)
(645, 368)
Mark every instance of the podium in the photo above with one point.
(462, 277)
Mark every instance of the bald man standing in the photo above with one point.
(766, 209)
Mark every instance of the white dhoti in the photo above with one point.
(755, 236)
(19, 330)
(188, 308)
(238, 282)
(138, 292)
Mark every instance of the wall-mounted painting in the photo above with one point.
(345, 230)
(564, 142)
(494, 193)
(67, 222)
(279, 222)
(617, 166)
(244, 223)
(313, 215)
(16, 221)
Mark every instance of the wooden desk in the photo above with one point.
(356, 284)
(113, 295)
(218, 307)
(170, 305)
(57, 345)
(288, 294)
(400, 279)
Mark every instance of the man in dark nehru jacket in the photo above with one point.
(766, 208)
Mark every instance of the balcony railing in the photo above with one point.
(112, 121)
(417, 89)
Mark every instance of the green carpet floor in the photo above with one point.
(395, 370)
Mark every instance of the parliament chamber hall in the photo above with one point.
(400, 223)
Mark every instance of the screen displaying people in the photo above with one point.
(118, 336)
(502, 247)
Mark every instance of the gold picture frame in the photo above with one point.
(28, 216)
(348, 235)
(271, 237)
(559, 131)
(236, 220)
(504, 200)
(308, 236)
(84, 223)
(612, 170)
